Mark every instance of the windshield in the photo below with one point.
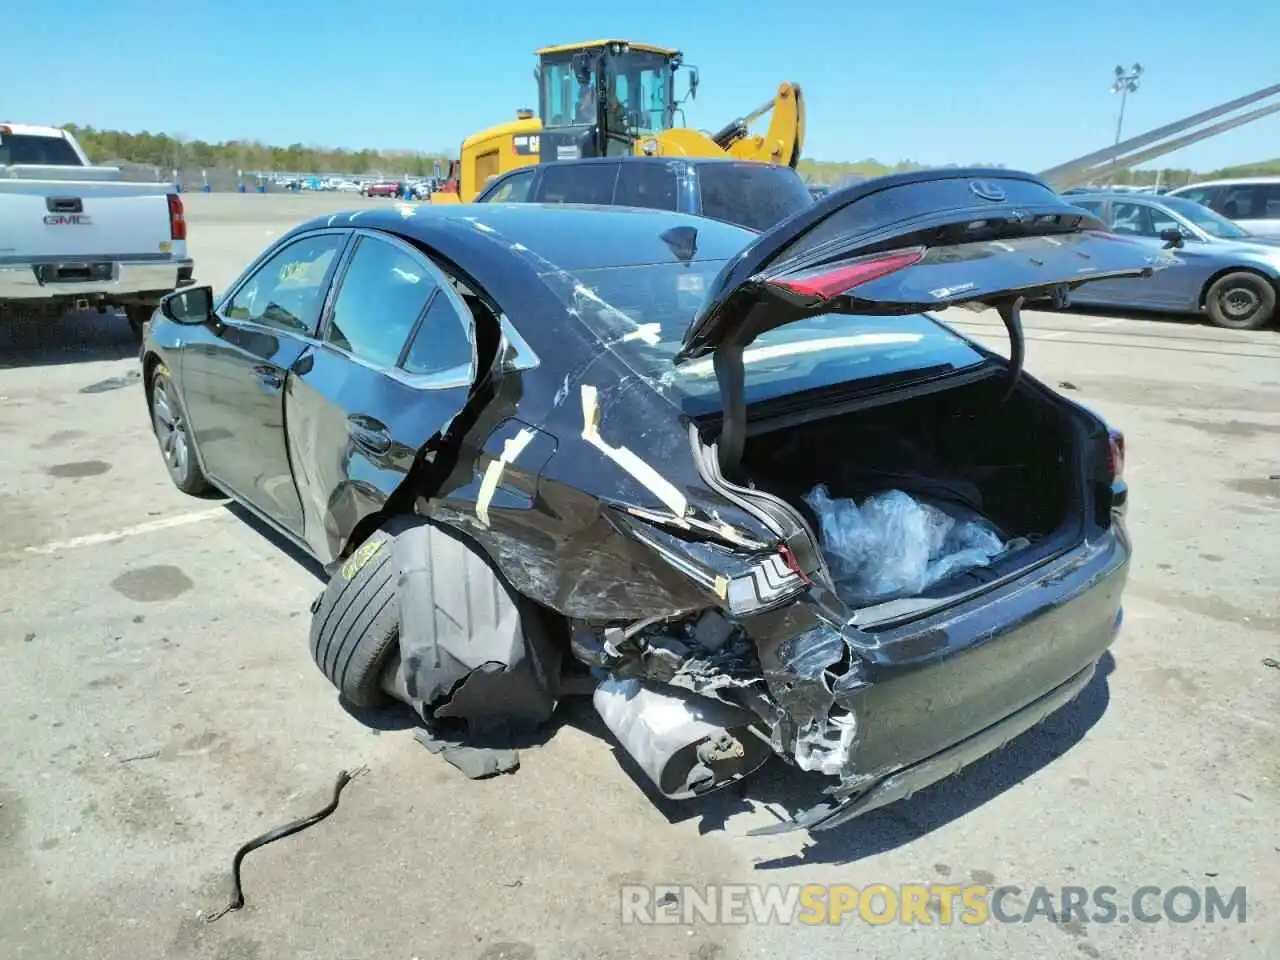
(22, 148)
(641, 91)
(1204, 218)
(643, 312)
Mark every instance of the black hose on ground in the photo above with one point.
(279, 833)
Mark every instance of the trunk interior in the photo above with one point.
(1017, 463)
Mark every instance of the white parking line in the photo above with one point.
(151, 526)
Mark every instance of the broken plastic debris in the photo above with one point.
(894, 545)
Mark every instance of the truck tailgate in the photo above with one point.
(48, 219)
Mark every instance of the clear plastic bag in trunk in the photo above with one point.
(892, 545)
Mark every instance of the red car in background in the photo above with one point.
(383, 188)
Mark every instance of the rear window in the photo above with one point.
(644, 311)
(647, 185)
(754, 195)
(22, 148)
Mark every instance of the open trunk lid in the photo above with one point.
(909, 243)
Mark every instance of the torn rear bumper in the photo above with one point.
(903, 783)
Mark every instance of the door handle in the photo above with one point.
(369, 434)
(269, 376)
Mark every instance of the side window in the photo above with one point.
(441, 342)
(514, 189)
(1270, 203)
(287, 292)
(1133, 219)
(383, 291)
(1198, 195)
(1093, 206)
(1162, 221)
(577, 183)
(1241, 202)
(647, 185)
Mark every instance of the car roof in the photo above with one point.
(1229, 181)
(642, 158)
(568, 236)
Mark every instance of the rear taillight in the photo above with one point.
(1116, 454)
(833, 279)
(177, 218)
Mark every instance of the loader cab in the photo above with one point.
(599, 98)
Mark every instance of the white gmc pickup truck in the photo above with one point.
(76, 236)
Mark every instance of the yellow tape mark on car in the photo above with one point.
(296, 270)
(493, 475)
(364, 553)
(628, 460)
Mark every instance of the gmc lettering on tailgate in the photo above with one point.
(68, 220)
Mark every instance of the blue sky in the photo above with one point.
(1020, 82)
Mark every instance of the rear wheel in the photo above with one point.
(1241, 301)
(169, 423)
(355, 622)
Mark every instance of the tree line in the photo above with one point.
(167, 151)
(177, 152)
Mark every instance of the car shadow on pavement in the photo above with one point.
(279, 541)
(81, 337)
(790, 791)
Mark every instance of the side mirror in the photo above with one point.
(693, 83)
(582, 68)
(192, 306)
(1172, 238)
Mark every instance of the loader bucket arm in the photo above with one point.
(783, 140)
(1155, 143)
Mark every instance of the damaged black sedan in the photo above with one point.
(740, 487)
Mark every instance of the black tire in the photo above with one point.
(1241, 301)
(177, 446)
(138, 314)
(355, 622)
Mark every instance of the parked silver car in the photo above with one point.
(1222, 270)
(1253, 202)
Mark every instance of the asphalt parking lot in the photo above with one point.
(158, 708)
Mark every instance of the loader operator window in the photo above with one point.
(559, 93)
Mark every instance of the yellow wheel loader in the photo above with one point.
(615, 98)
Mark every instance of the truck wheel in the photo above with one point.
(355, 622)
(138, 314)
(1241, 301)
(169, 423)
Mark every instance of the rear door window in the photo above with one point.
(647, 185)
(441, 343)
(384, 290)
(577, 183)
(754, 195)
(1244, 202)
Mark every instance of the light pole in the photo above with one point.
(1125, 83)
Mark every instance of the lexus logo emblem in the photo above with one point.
(986, 190)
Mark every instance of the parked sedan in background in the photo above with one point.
(537, 443)
(1221, 270)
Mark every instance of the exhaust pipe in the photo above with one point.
(686, 744)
